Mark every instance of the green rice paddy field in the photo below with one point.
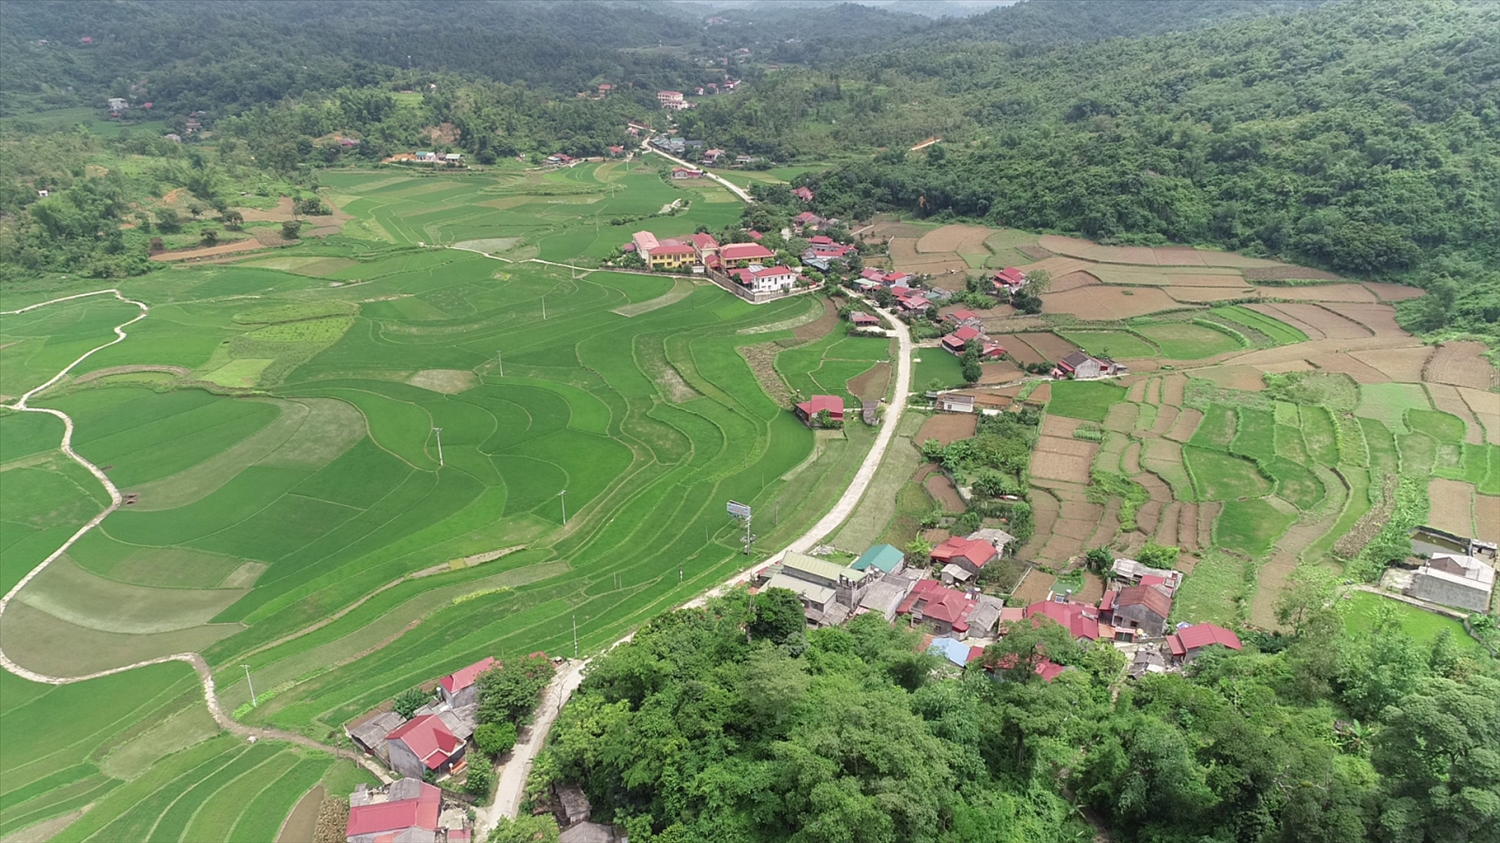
(295, 511)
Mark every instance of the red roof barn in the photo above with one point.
(1187, 643)
(809, 409)
(458, 687)
(944, 609)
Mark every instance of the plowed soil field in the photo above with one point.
(1459, 364)
(1452, 506)
(1399, 364)
(948, 427)
(1325, 320)
(1108, 303)
(1393, 292)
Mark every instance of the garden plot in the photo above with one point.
(1452, 506)
(1449, 400)
(1486, 408)
(1349, 365)
(1379, 318)
(1487, 517)
(1066, 460)
(947, 428)
(1404, 365)
(1327, 322)
(1393, 292)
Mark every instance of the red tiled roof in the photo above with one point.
(464, 677)
(952, 341)
(940, 603)
(966, 333)
(974, 550)
(400, 815)
(1152, 579)
(916, 303)
(1011, 275)
(772, 272)
(864, 319)
(755, 235)
(1046, 668)
(704, 241)
(819, 403)
(428, 738)
(1150, 596)
(1204, 634)
(745, 251)
(1079, 619)
(803, 193)
(821, 240)
(1108, 602)
(670, 248)
(960, 315)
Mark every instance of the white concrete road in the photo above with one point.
(733, 188)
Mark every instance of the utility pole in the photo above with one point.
(544, 308)
(575, 635)
(561, 496)
(439, 432)
(500, 361)
(253, 702)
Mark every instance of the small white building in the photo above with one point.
(1454, 579)
(118, 104)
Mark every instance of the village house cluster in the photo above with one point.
(938, 595)
(750, 267)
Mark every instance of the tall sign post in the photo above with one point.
(742, 512)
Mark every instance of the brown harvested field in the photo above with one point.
(1448, 399)
(1284, 366)
(1109, 303)
(1036, 253)
(1271, 310)
(1208, 513)
(1062, 547)
(1289, 272)
(1042, 394)
(1136, 388)
(1066, 444)
(1213, 258)
(903, 249)
(1050, 466)
(1078, 520)
(1059, 426)
(1034, 587)
(894, 228)
(1487, 517)
(1208, 295)
(1121, 417)
(820, 327)
(1393, 292)
(1452, 506)
(1018, 349)
(1166, 417)
(1066, 245)
(1002, 371)
(281, 213)
(1187, 528)
(210, 251)
(1049, 345)
(1187, 422)
(1379, 318)
(1459, 364)
(1184, 279)
(1399, 364)
(1153, 391)
(1057, 267)
(942, 491)
(1320, 292)
(1179, 256)
(964, 239)
(1331, 324)
(1130, 458)
(1361, 372)
(1074, 280)
(1486, 408)
(871, 385)
(949, 273)
(1234, 377)
(1166, 524)
(1173, 389)
(1093, 589)
(947, 428)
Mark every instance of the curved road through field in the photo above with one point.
(733, 188)
(511, 786)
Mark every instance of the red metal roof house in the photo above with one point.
(459, 687)
(1079, 619)
(1187, 643)
(421, 744)
(413, 805)
(969, 554)
(943, 609)
(809, 409)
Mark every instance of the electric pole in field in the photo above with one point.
(500, 361)
(562, 496)
(575, 635)
(439, 432)
(253, 702)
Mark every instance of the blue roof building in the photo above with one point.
(951, 649)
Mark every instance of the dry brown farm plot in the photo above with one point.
(1361, 372)
(1041, 395)
(1208, 514)
(1452, 506)
(210, 251)
(893, 228)
(1036, 253)
(1459, 364)
(281, 213)
(818, 328)
(1051, 346)
(1073, 280)
(1287, 272)
(1066, 245)
(1399, 364)
(871, 385)
(1320, 292)
(1130, 459)
(949, 272)
(1093, 589)
(1153, 391)
(1487, 517)
(1050, 466)
(1284, 366)
(1166, 524)
(1448, 399)
(1216, 281)
(1186, 425)
(903, 249)
(947, 428)
(1331, 324)
(942, 491)
(1393, 292)
(1271, 310)
(1179, 256)
(1062, 547)
(1002, 371)
(1137, 387)
(1019, 350)
(1059, 266)
(1486, 408)
(1235, 377)
(1059, 426)
(1166, 417)
(1121, 417)
(1108, 303)
(954, 238)
(1206, 295)
(1035, 587)
(1379, 318)
(1187, 528)
(1173, 388)
(1068, 446)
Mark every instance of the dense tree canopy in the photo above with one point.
(695, 731)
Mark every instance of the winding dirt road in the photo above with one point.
(205, 676)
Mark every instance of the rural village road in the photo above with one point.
(512, 781)
(733, 188)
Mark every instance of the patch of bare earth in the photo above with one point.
(1288, 273)
(1452, 506)
(1487, 517)
(209, 251)
(1460, 364)
(820, 327)
(1486, 408)
(1034, 587)
(947, 428)
(943, 491)
(871, 385)
(1405, 365)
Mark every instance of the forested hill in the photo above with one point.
(1363, 138)
(248, 53)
